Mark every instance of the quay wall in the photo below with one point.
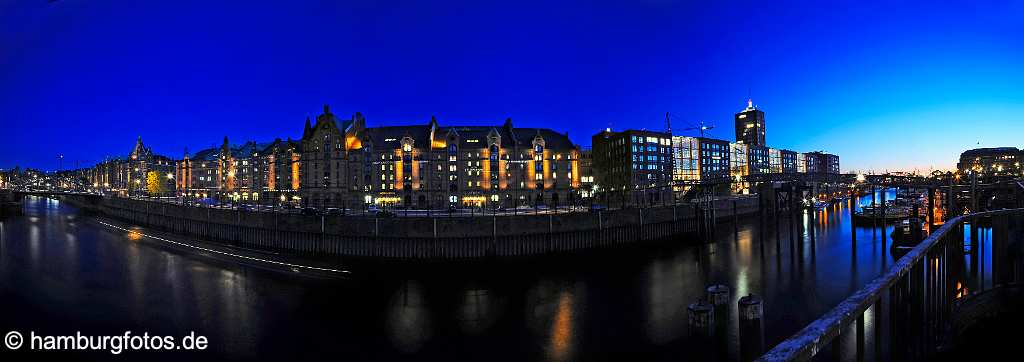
(423, 238)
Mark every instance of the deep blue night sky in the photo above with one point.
(883, 86)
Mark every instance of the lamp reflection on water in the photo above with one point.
(409, 325)
(134, 234)
(551, 312)
(479, 310)
(561, 328)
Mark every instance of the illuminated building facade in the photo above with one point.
(1000, 161)
(699, 160)
(234, 173)
(128, 175)
(821, 163)
(758, 160)
(341, 163)
(750, 126)
(789, 161)
(489, 166)
(634, 163)
(281, 160)
(324, 166)
(587, 184)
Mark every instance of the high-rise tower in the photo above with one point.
(750, 125)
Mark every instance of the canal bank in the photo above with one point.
(419, 238)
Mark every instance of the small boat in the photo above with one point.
(874, 215)
(906, 235)
(905, 231)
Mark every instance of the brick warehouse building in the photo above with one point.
(342, 163)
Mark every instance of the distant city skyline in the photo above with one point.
(884, 86)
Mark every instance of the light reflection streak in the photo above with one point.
(280, 263)
(561, 328)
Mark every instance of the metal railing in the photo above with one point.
(912, 303)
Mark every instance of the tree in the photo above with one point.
(154, 185)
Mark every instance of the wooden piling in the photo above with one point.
(751, 327)
(701, 319)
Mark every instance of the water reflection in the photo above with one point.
(620, 304)
(666, 317)
(478, 311)
(561, 329)
(409, 323)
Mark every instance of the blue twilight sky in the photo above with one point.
(885, 86)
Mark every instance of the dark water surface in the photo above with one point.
(61, 273)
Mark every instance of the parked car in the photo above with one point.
(309, 211)
(333, 211)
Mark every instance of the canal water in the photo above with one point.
(62, 273)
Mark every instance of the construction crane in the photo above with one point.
(700, 126)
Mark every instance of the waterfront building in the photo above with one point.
(341, 163)
(108, 176)
(750, 126)
(821, 163)
(739, 167)
(774, 160)
(758, 160)
(142, 161)
(127, 175)
(281, 160)
(587, 185)
(699, 160)
(345, 164)
(999, 161)
(226, 173)
(634, 164)
(198, 174)
(324, 167)
(685, 162)
(485, 166)
(789, 161)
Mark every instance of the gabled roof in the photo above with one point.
(552, 139)
(269, 147)
(249, 148)
(209, 154)
(391, 136)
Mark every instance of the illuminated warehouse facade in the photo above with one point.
(341, 163)
(128, 175)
